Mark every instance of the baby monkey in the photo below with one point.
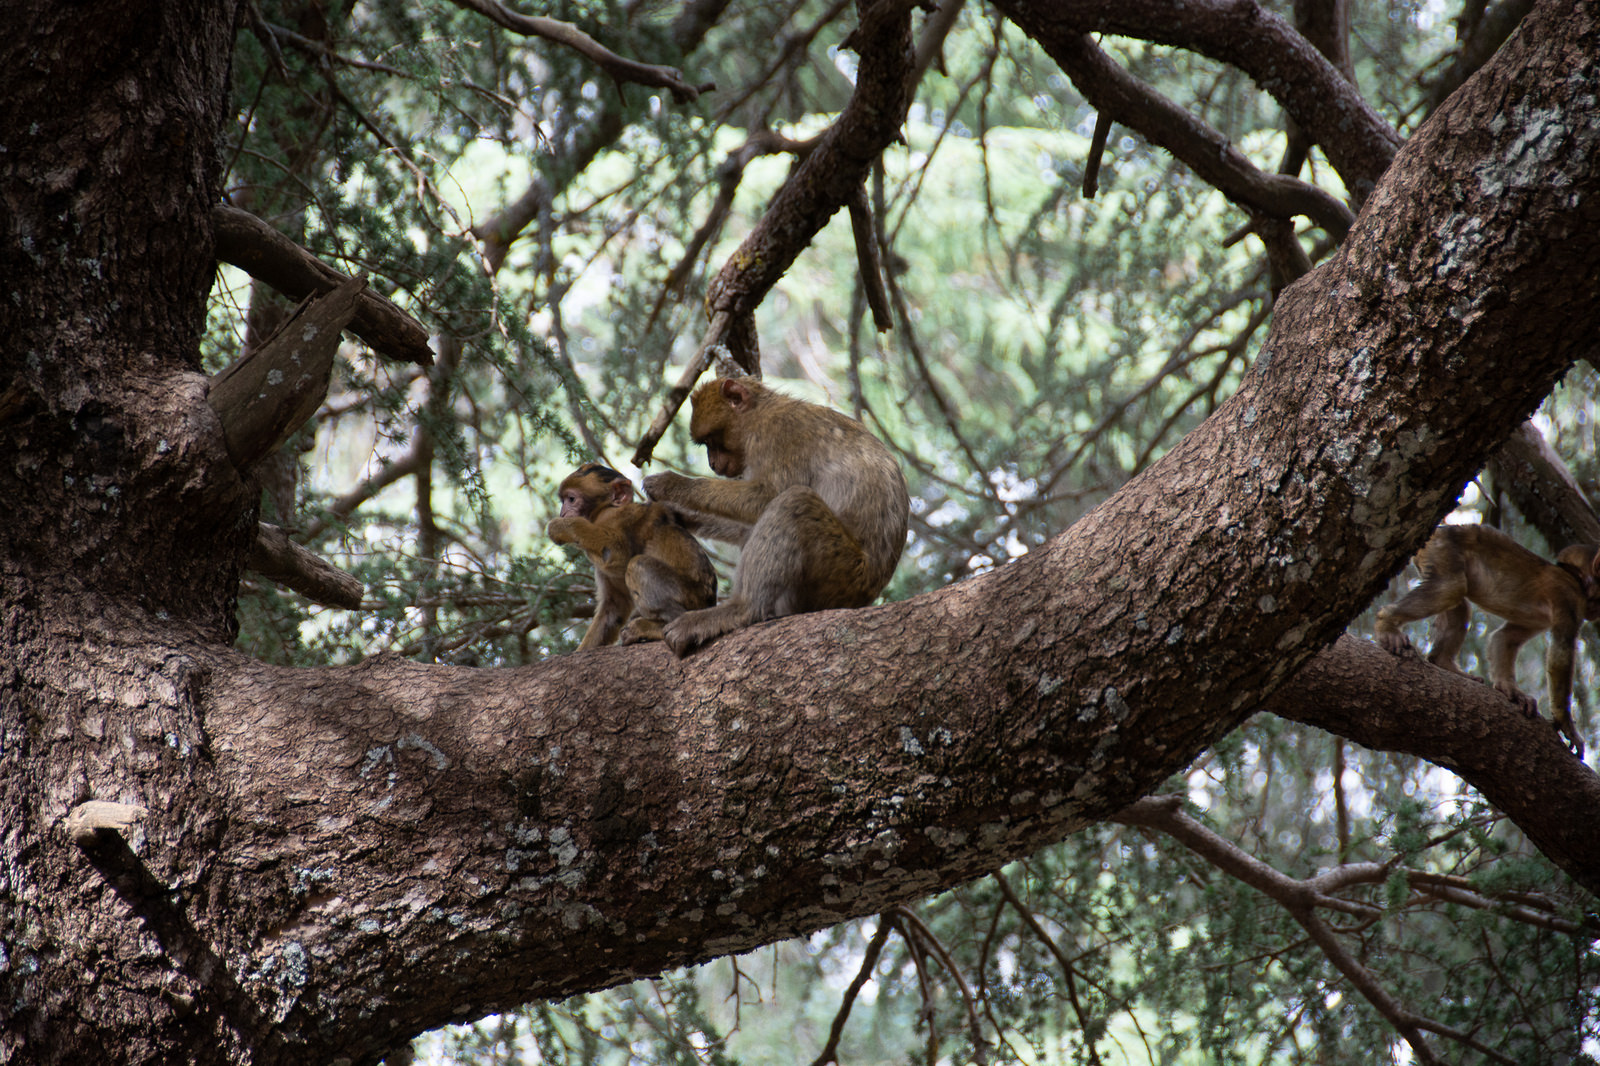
(1483, 565)
(646, 564)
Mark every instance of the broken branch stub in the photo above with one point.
(267, 394)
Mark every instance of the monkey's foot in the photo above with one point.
(1569, 736)
(696, 629)
(640, 631)
(1524, 702)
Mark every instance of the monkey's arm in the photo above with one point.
(704, 499)
(712, 527)
(592, 537)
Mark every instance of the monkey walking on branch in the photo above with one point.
(646, 564)
(819, 507)
(1482, 565)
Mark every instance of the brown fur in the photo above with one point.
(818, 505)
(648, 569)
(1484, 566)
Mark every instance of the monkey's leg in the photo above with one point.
(1558, 681)
(614, 605)
(1449, 633)
(1504, 644)
(660, 594)
(797, 558)
(1435, 594)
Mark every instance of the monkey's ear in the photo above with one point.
(737, 393)
(621, 491)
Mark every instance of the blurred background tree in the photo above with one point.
(557, 229)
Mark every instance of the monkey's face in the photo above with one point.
(592, 488)
(723, 453)
(714, 424)
(575, 504)
(724, 462)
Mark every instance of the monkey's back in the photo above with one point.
(1495, 569)
(852, 470)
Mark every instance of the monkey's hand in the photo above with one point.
(562, 530)
(640, 631)
(1395, 643)
(665, 486)
(1526, 703)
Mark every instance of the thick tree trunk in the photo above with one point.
(332, 860)
(124, 521)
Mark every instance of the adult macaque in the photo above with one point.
(819, 507)
(646, 564)
(1483, 565)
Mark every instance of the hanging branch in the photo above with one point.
(1121, 97)
(1060, 956)
(868, 262)
(915, 929)
(830, 1051)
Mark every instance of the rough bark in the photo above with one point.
(334, 859)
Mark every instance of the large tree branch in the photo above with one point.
(1122, 97)
(769, 785)
(1362, 693)
(1331, 110)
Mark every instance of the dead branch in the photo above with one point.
(277, 558)
(1301, 900)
